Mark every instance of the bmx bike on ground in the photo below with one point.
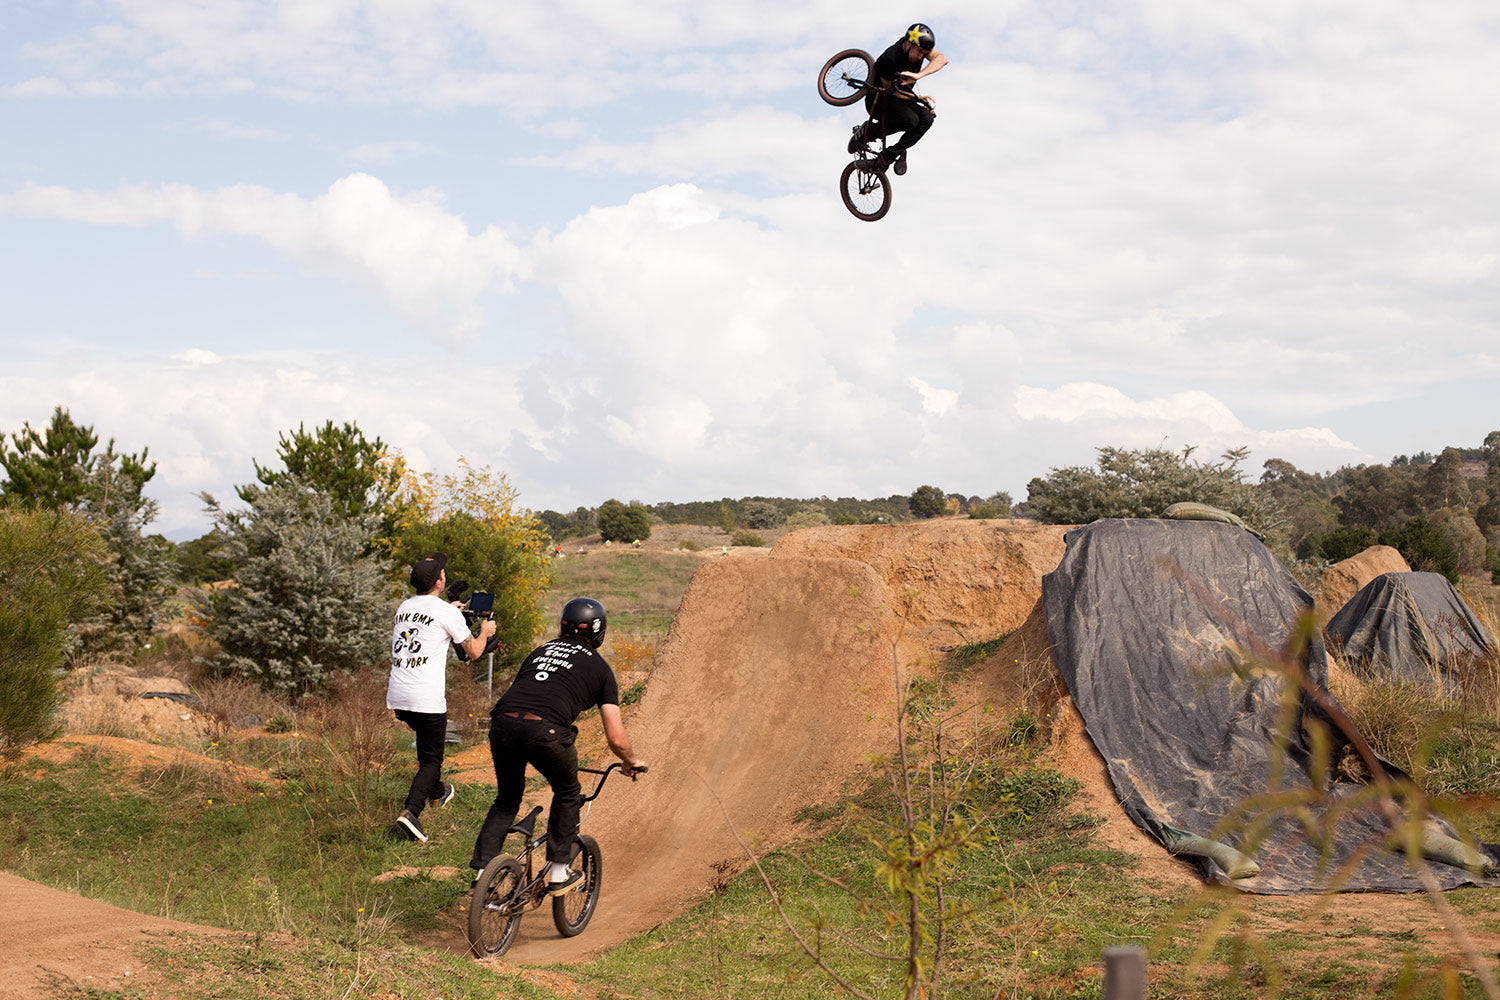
(845, 79)
(510, 885)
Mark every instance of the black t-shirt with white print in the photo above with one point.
(558, 681)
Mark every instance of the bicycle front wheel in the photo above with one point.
(571, 911)
(495, 907)
(845, 76)
(866, 191)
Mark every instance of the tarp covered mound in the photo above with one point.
(1412, 627)
(1147, 620)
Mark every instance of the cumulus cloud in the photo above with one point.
(205, 417)
(424, 258)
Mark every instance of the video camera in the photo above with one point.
(481, 605)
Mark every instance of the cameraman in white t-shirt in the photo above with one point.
(425, 626)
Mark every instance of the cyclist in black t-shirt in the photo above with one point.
(901, 64)
(532, 723)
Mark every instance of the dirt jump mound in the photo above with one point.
(1347, 577)
(771, 693)
(960, 581)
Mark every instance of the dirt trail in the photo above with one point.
(55, 941)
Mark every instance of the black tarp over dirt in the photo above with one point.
(1412, 627)
(1146, 619)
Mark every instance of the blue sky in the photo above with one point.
(599, 247)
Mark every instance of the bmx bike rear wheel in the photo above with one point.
(845, 76)
(571, 911)
(495, 907)
(866, 191)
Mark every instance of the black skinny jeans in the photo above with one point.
(432, 730)
(911, 118)
(548, 747)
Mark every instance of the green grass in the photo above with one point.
(290, 867)
(640, 589)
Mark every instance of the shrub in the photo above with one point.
(1346, 541)
(308, 599)
(1143, 483)
(690, 545)
(928, 501)
(761, 514)
(60, 467)
(994, 505)
(509, 562)
(749, 538)
(50, 579)
(1424, 548)
(809, 516)
(1459, 528)
(621, 523)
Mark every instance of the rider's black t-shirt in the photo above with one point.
(558, 680)
(893, 61)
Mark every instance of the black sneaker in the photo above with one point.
(407, 823)
(857, 140)
(444, 794)
(558, 888)
(900, 165)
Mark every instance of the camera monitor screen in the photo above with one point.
(480, 602)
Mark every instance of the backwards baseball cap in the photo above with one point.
(424, 574)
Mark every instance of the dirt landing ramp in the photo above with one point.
(56, 942)
(960, 581)
(772, 690)
(1348, 577)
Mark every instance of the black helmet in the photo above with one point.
(583, 618)
(921, 36)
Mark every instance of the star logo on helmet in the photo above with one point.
(914, 36)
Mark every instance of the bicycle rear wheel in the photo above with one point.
(866, 191)
(843, 79)
(571, 911)
(495, 907)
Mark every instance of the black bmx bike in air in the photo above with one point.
(846, 78)
(511, 885)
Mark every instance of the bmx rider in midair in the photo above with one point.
(901, 64)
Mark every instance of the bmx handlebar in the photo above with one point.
(603, 777)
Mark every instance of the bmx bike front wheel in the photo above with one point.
(866, 191)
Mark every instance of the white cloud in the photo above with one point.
(204, 417)
(422, 257)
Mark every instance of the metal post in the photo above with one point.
(489, 680)
(1125, 973)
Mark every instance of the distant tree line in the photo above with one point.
(1442, 512)
(761, 513)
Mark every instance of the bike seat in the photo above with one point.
(525, 826)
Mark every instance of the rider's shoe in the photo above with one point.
(558, 888)
(858, 140)
(407, 824)
(444, 794)
(900, 165)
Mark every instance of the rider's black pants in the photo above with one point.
(911, 118)
(514, 743)
(431, 729)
